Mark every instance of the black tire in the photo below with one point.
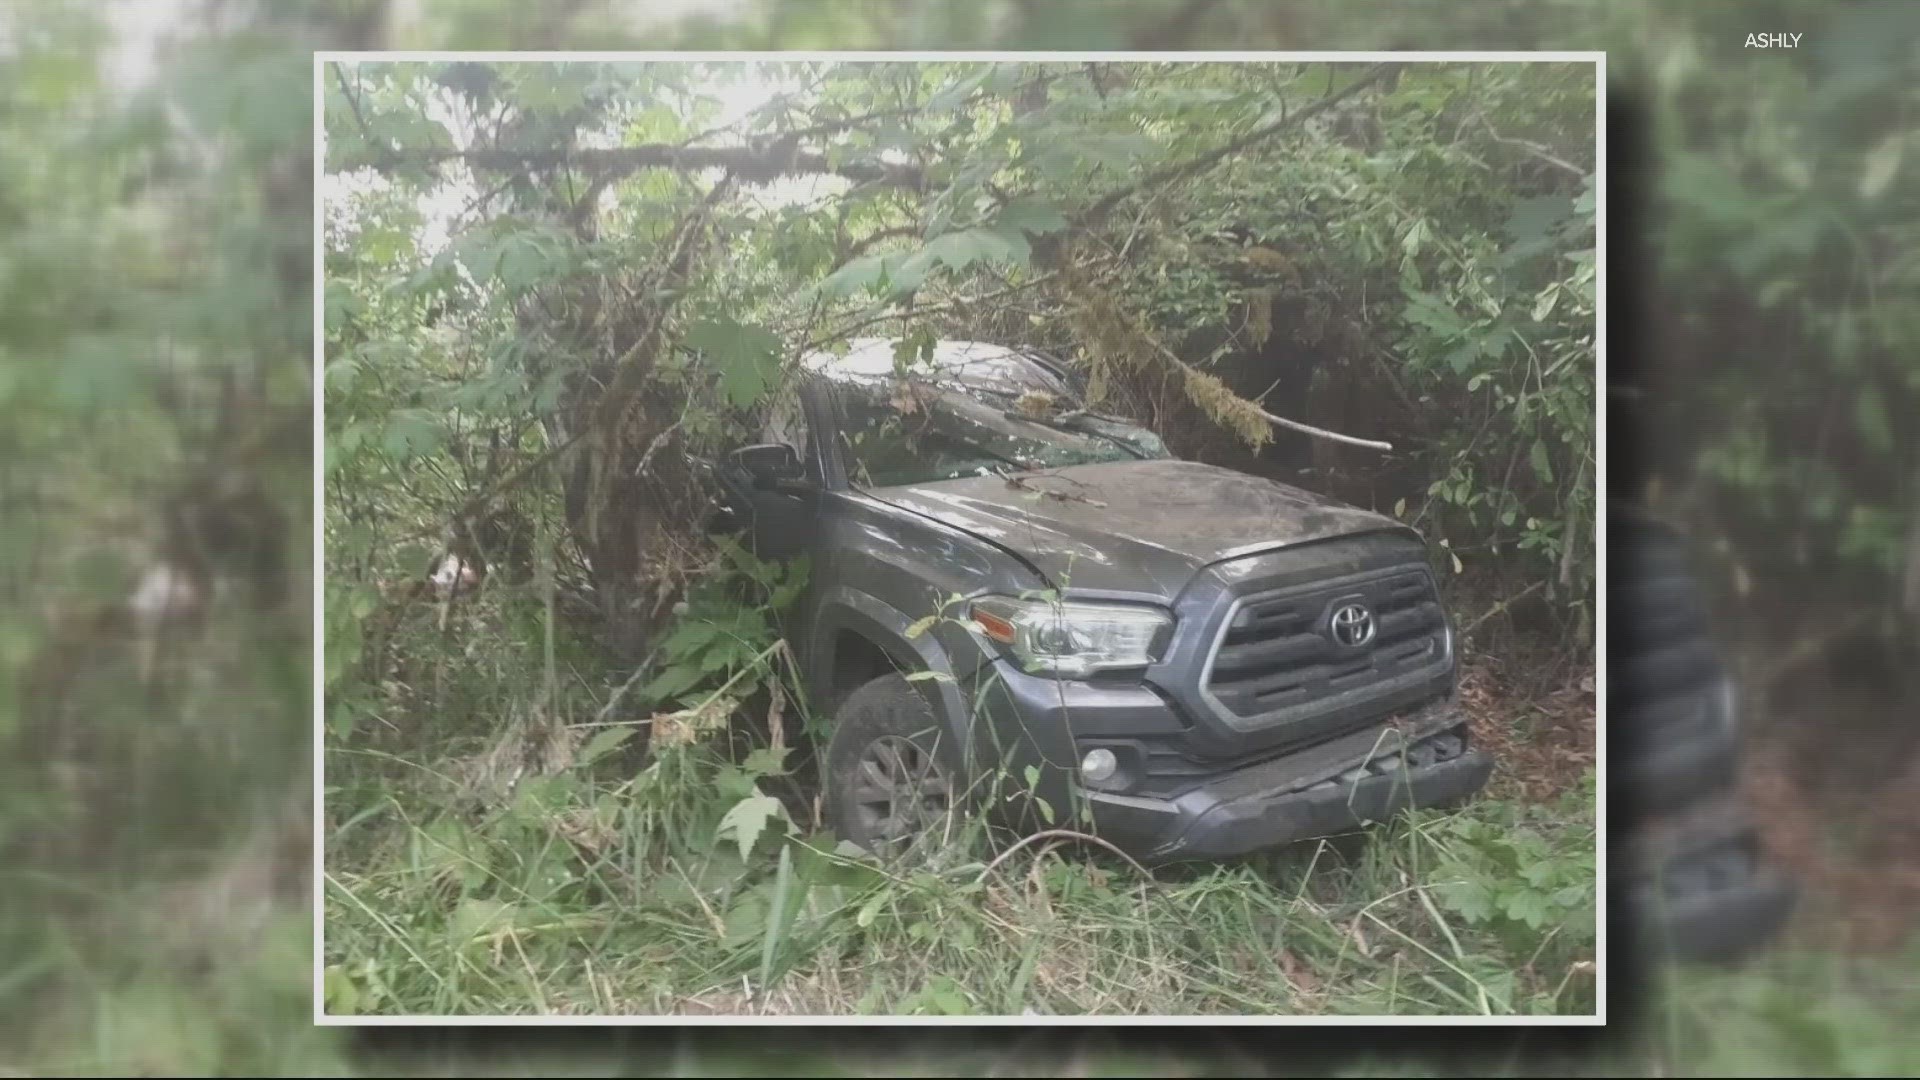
(1698, 885)
(892, 771)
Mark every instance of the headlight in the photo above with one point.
(1072, 639)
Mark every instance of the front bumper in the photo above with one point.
(1700, 888)
(1721, 924)
(1365, 776)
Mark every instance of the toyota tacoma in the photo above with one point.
(1004, 584)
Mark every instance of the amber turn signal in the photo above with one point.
(993, 626)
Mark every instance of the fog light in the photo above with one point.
(1098, 766)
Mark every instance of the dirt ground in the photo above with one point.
(1542, 741)
(1832, 774)
(1830, 768)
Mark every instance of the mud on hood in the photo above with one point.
(1139, 526)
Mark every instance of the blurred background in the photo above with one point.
(156, 505)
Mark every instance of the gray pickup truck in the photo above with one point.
(1020, 606)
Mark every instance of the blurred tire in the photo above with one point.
(1695, 876)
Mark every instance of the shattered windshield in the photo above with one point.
(969, 414)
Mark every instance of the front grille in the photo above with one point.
(1278, 653)
(1169, 767)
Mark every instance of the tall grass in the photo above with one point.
(590, 883)
(494, 845)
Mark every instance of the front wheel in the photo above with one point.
(891, 776)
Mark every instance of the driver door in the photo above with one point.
(778, 521)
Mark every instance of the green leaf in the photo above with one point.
(603, 744)
(476, 916)
(735, 783)
(341, 306)
(871, 909)
(1427, 310)
(948, 1001)
(690, 638)
(955, 93)
(411, 433)
(748, 818)
(746, 919)
(1543, 306)
(866, 272)
(670, 683)
(782, 879)
(959, 250)
(522, 262)
(766, 761)
(1410, 244)
(553, 87)
(1534, 219)
(1539, 874)
(1462, 358)
(1115, 150)
(1471, 900)
(1027, 215)
(342, 997)
(921, 625)
(1542, 466)
(1882, 163)
(747, 357)
(1527, 906)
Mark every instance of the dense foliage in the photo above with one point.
(572, 273)
(102, 271)
(155, 506)
(553, 288)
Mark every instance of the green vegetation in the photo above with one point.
(537, 871)
(158, 239)
(533, 910)
(550, 285)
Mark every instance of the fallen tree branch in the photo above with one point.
(785, 157)
(1063, 496)
(1307, 429)
(1535, 149)
(748, 163)
(841, 333)
(864, 244)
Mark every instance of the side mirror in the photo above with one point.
(768, 463)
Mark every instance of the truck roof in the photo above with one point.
(966, 362)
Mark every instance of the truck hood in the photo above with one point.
(1133, 526)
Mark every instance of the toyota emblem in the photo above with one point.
(1352, 625)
